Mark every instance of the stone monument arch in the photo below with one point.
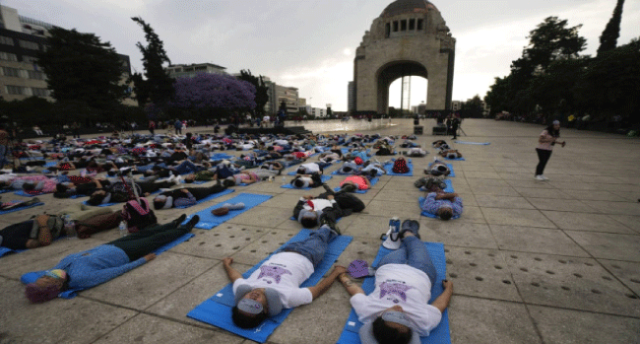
(410, 38)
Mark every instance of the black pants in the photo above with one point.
(200, 193)
(152, 187)
(138, 245)
(16, 236)
(454, 129)
(543, 156)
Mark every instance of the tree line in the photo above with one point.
(553, 79)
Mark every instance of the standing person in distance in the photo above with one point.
(548, 139)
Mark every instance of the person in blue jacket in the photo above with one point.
(98, 265)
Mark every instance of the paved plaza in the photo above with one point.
(531, 262)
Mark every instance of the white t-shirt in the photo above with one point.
(318, 204)
(311, 167)
(265, 118)
(405, 286)
(281, 142)
(283, 272)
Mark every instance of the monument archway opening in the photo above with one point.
(391, 72)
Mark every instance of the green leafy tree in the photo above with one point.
(473, 108)
(262, 90)
(82, 68)
(609, 38)
(157, 85)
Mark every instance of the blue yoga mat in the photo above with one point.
(5, 190)
(289, 186)
(2, 212)
(449, 189)
(51, 164)
(456, 159)
(440, 334)
(389, 169)
(221, 156)
(216, 311)
(4, 251)
(195, 182)
(24, 194)
(473, 143)
(31, 277)
(373, 181)
(208, 220)
(453, 174)
(210, 197)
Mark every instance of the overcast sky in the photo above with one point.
(310, 44)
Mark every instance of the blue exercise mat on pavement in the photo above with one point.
(221, 156)
(389, 169)
(51, 164)
(24, 194)
(456, 159)
(439, 335)
(216, 311)
(195, 182)
(373, 182)
(2, 212)
(453, 174)
(289, 186)
(209, 198)
(4, 251)
(5, 190)
(473, 143)
(31, 277)
(208, 220)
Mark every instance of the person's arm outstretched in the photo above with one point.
(232, 273)
(442, 302)
(323, 286)
(351, 287)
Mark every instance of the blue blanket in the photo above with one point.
(31, 277)
(473, 143)
(195, 182)
(289, 186)
(2, 212)
(210, 197)
(216, 311)
(440, 334)
(221, 156)
(208, 220)
(453, 174)
(456, 159)
(373, 182)
(389, 168)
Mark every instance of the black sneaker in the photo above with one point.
(179, 220)
(348, 188)
(192, 223)
(329, 190)
(324, 220)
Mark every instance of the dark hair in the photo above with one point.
(96, 200)
(270, 148)
(158, 204)
(29, 186)
(301, 170)
(308, 222)
(246, 321)
(298, 183)
(446, 216)
(229, 183)
(388, 335)
(552, 131)
(61, 187)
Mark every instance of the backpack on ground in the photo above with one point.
(400, 166)
(138, 215)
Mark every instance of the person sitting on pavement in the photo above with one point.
(442, 204)
(90, 268)
(276, 284)
(310, 211)
(397, 311)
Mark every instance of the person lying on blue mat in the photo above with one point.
(39, 232)
(450, 153)
(276, 284)
(307, 181)
(98, 265)
(185, 197)
(438, 169)
(310, 211)
(397, 311)
(312, 167)
(442, 204)
(416, 152)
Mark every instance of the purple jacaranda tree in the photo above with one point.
(214, 91)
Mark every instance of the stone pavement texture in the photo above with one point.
(531, 262)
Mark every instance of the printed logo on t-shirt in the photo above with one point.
(274, 272)
(394, 290)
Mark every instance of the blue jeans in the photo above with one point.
(414, 253)
(186, 167)
(313, 247)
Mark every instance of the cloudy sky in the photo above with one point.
(310, 44)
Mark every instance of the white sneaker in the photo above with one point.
(543, 177)
(540, 177)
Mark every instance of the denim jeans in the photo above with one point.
(414, 253)
(186, 167)
(313, 247)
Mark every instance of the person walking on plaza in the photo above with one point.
(178, 126)
(548, 139)
(455, 124)
(152, 127)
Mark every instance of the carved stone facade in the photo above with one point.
(410, 38)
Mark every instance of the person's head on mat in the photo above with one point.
(392, 326)
(301, 183)
(309, 219)
(445, 213)
(229, 182)
(97, 197)
(47, 287)
(190, 179)
(253, 306)
(162, 202)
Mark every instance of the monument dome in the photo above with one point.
(399, 7)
